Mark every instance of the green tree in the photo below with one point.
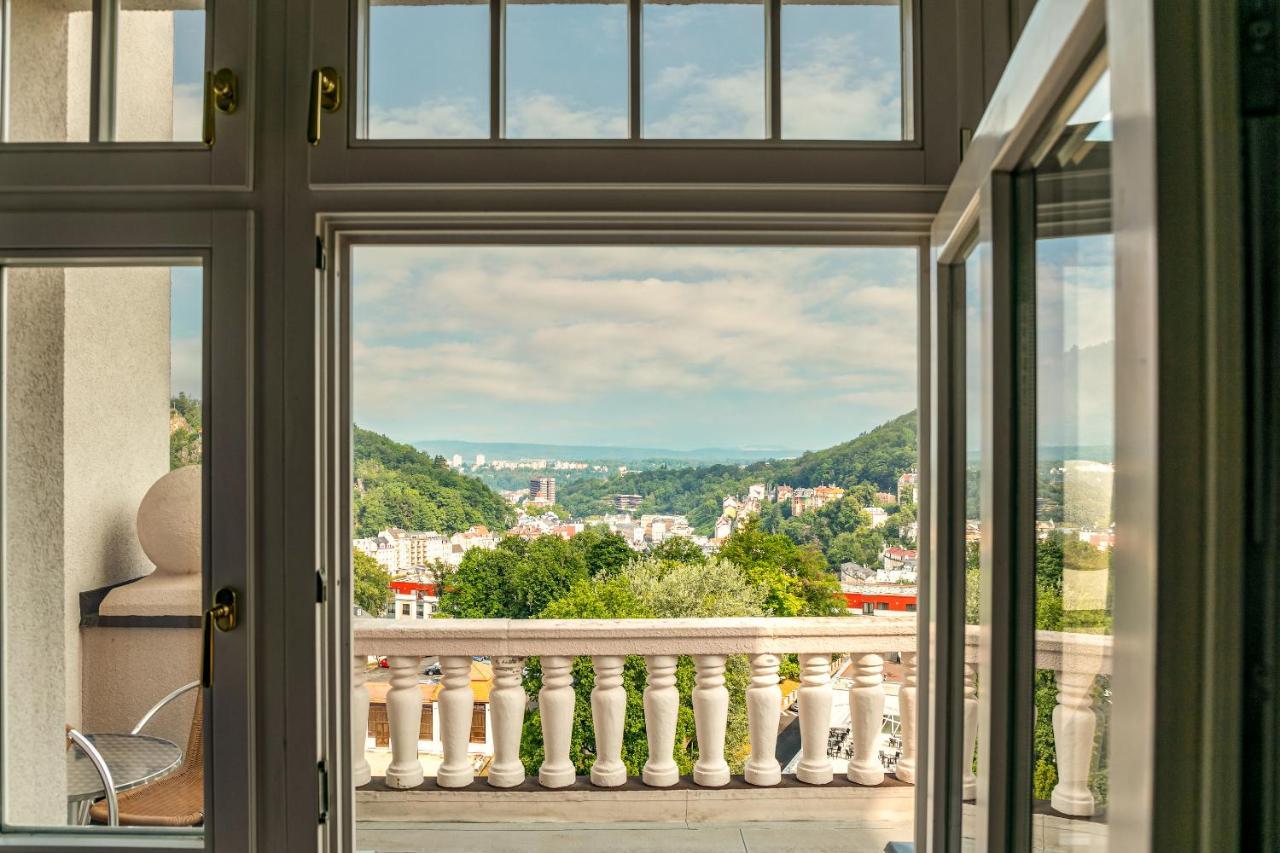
(796, 578)
(372, 587)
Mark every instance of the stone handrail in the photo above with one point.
(1076, 659)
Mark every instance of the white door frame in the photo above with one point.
(223, 242)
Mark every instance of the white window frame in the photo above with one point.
(103, 164)
(223, 242)
(341, 232)
(927, 157)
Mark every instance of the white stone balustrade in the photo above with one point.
(1076, 659)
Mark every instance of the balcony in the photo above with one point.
(861, 808)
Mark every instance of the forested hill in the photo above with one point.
(877, 458)
(399, 486)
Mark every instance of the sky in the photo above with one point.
(703, 71)
(186, 312)
(672, 347)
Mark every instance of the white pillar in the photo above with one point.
(555, 703)
(906, 770)
(360, 773)
(764, 707)
(814, 766)
(866, 714)
(710, 713)
(608, 715)
(506, 707)
(661, 708)
(404, 718)
(1074, 723)
(455, 702)
(969, 779)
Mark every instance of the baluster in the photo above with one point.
(404, 718)
(906, 769)
(866, 713)
(360, 773)
(710, 711)
(1074, 723)
(506, 710)
(764, 707)
(969, 780)
(455, 702)
(555, 702)
(608, 712)
(814, 766)
(661, 708)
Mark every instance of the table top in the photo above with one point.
(132, 759)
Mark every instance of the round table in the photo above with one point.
(132, 759)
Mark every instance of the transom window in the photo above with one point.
(780, 70)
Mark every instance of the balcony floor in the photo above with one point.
(761, 837)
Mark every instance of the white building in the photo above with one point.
(479, 459)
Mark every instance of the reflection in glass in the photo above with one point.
(703, 71)
(566, 70)
(46, 75)
(102, 458)
(1075, 425)
(159, 70)
(975, 424)
(841, 71)
(428, 71)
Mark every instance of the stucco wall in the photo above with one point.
(87, 432)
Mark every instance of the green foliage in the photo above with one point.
(869, 463)
(519, 579)
(185, 437)
(372, 591)
(399, 486)
(796, 577)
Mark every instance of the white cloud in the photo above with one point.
(572, 326)
(188, 115)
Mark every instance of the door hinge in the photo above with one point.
(322, 586)
(322, 771)
(1260, 58)
(321, 255)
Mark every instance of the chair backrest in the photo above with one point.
(193, 758)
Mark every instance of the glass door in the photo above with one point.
(125, 598)
(124, 93)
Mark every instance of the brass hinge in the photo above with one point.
(322, 771)
(1260, 58)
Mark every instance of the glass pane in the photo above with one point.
(428, 70)
(703, 70)
(566, 70)
(102, 458)
(627, 443)
(1075, 423)
(46, 78)
(160, 65)
(841, 70)
(975, 426)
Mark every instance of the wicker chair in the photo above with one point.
(178, 798)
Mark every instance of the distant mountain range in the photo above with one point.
(513, 451)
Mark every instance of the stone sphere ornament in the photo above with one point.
(169, 522)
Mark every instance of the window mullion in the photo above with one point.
(635, 22)
(497, 68)
(102, 71)
(773, 55)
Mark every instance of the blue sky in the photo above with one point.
(186, 312)
(677, 347)
(702, 71)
